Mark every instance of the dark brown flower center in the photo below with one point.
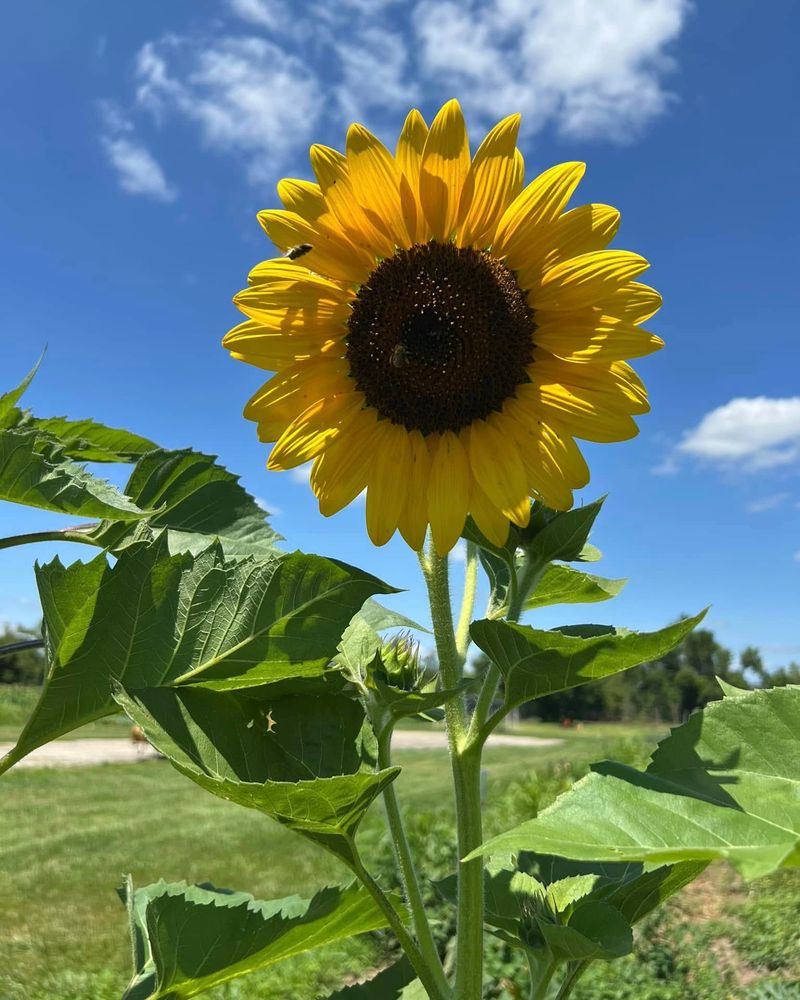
(439, 336)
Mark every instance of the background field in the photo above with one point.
(67, 836)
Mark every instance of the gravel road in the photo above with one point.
(85, 753)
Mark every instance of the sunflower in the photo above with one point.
(440, 332)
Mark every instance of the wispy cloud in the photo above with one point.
(247, 96)
(763, 504)
(258, 83)
(138, 171)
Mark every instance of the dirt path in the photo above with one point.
(85, 753)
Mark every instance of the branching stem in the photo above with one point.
(62, 535)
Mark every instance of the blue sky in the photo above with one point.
(139, 140)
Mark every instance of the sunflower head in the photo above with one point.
(441, 333)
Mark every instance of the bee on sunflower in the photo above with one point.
(446, 333)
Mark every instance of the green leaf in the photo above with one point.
(559, 535)
(190, 938)
(380, 618)
(535, 662)
(595, 930)
(156, 619)
(9, 414)
(562, 585)
(196, 500)
(725, 784)
(398, 982)
(91, 441)
(34, 471)
(307, 762)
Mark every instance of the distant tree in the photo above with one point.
(25, 666)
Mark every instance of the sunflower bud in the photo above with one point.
(397, 664)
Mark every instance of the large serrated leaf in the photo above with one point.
(91, 441)
(34, 471)
(190, 938)
(563, 585)
(306, 762)
(196, 499)
(726, 784)
(535, 662)
(155, 618)
(9, 414)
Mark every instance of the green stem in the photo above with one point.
(521, 585)
(541, 975)
(62, 535)
(426, 975)
(467, 601)
(408, 872)
(576, 971)
(465, 762)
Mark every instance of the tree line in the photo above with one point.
(666, 690)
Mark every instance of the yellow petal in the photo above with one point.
(589, 336)
(332, 173)
(339, 474)
(489, 519)
(410, 145)
(619, 385)
(413, 522)
(593, 413)
(281, 275)
(409, 159)
(579, 231)
(553, 464)
(444, 168)
(538, 205)
(314, 429)
(497, 468)
(376, 177)
(387, 482)
(448, 491)
(303, 198)
(295, 388)
(492, 184)
(332, 253)
(273, 349)
(634, 302)
(583, 280)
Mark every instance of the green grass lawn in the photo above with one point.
(66, 837)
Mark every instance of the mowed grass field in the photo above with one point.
(67, 836)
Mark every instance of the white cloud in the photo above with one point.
(137, 169)
(267, 13)
(459, 553)
(763, 504)
(750, 434)
(375, 73)
(797, 556)
(594, 69)
(301, 473)
(245, 94)
(273, 76)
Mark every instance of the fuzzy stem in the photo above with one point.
(408, 873)
(467, 601)
(426, 975)
(466, 767)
